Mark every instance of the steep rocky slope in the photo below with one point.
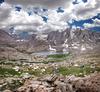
(13, 48)
(74, 40)
(32, 44)
(5, 38)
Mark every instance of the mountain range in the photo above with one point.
(74, 40)
(69, 40)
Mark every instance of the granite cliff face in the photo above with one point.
(70, 39)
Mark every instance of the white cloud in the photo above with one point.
(87, 25)
(56, 21)
(23, 18)
(22, 21)
(4, 11)
(87, 10)
(96, 21)
(43, 3)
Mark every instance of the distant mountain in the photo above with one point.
(14, 48)
(70, 40)
(8, 39)
(29, 43)
(32, 44)
(7, 47)
(5, 38)
(74, 39)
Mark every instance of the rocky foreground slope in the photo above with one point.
(56, 83)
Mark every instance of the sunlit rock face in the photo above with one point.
(74, 39)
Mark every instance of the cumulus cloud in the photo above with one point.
(87, 25)
(5, 10)
(82, 11)
(56, 21)
(96, 23)
(44, 3)
(22, 21)
(87, 10)
(18, 18)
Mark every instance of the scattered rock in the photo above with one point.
(86, 84)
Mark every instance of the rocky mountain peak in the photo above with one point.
(74, 39)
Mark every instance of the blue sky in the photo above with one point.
(89, 20)
(41, 15)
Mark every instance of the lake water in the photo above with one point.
(45, 53)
